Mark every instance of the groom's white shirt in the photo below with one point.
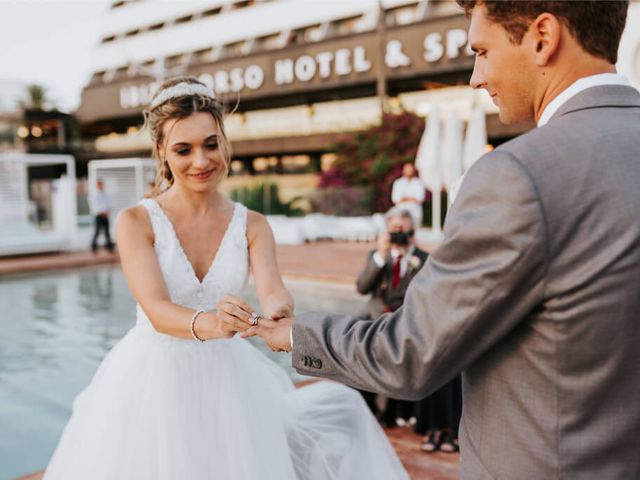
(577, 87)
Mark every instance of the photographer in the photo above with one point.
(391, 266)
(386, 277)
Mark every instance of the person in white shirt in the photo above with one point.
(100, 206)
(408, 193)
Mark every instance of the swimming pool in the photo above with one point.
(55, 328)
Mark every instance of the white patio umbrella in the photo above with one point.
(476, 139)
(452, 153)
(429, 166)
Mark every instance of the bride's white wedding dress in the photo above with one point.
(163, 408)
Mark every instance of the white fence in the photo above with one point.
(126, 180)
(18, 234)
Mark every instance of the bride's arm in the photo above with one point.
(274, 298)
(134, 236)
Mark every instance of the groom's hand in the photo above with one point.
(277, 334)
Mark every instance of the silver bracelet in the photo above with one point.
(193, 324)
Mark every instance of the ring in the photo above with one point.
(254, 318)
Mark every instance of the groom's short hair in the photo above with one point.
(596, 25)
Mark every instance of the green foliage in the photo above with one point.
(373, 158)
(37, 97)
(7, 135)
(265, 198)
(343, 201)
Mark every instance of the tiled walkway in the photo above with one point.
(325, 261)
(421, 466)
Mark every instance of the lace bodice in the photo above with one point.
(228, 272)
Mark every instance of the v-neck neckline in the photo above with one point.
(181, 248)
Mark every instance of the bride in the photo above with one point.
(181, 396)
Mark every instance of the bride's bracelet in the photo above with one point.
(193, 324)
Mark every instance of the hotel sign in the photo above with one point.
(417, 50)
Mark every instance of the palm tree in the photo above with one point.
(37, 97)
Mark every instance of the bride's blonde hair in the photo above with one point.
(179, 107)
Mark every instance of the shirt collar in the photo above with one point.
(577, 87)
(409, 252)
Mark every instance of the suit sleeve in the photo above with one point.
(483, 280)
(369, 277)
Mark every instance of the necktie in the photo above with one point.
(395, 270)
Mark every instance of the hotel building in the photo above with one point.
(299, 73)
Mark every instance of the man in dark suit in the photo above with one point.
(386, 276)
(391, 266)
(533, 292)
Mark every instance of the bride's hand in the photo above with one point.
(234, 314)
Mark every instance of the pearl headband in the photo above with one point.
(181, 89)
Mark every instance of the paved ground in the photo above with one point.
(325, 261)
(35, 263)
(322, 261)
(420, 465)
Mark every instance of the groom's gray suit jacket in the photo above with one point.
(534, 294)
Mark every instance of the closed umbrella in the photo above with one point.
(429, 166)
(428, 154)
(452, 150)
(476, 139)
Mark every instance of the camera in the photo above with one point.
(400, 238)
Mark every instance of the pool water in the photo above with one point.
(55, 329)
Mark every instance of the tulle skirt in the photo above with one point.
(161, 408)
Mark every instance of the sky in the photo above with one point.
(49, 42)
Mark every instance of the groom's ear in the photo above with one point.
(544, 36)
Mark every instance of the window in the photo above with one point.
(185, 19)
(203, 55)
(241, 4)
(315, 33)
(297, 164)
(235, 49)
(97, 76)
(237, 167)
(211, 12)
(174, 60)
(401, 16)
(121, 72)
(296, 37)
(345, 26)
(268, 42)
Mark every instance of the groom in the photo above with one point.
(534, 293)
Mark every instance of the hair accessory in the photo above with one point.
(180, 90)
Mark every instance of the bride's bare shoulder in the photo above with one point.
(134, 221)
(257, 224)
